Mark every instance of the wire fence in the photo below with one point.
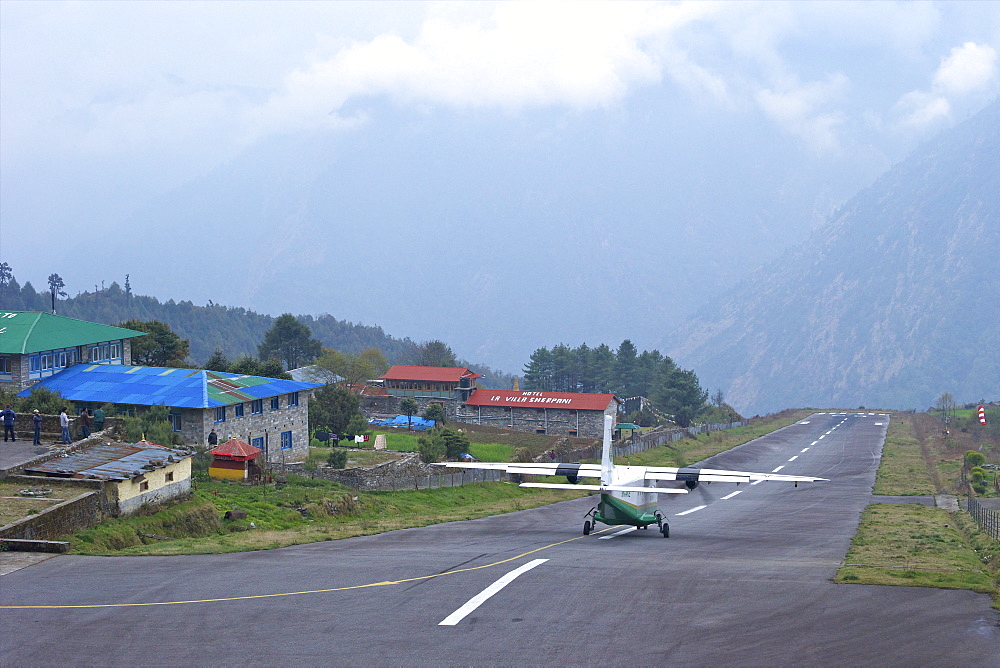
(988, 520)
(386, 482)
(654, 439)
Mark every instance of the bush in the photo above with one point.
(431, 449)
(46, 401)
(152, 425)
(974, 458)
(522, 455)
(977, 474)
(980, 487)
(337, 459)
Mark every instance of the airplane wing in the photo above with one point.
(694, 474)
(533, 468)
(607, 488)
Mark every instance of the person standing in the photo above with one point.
(213, 439)
(99, 420)
(64, 424)
(84, 422)
(36, 422)
(8, 423)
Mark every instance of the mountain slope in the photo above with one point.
(891, 303)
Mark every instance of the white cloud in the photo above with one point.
(804, 110)
(968, 69)
(522, 55)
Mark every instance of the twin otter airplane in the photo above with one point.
(628, 493)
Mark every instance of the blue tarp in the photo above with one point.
(418, 423)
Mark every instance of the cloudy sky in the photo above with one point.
(109, 107)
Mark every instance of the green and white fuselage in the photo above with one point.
(633, 508)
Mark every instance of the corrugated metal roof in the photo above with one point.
(155, 386)
(23, 332)
(531, 399)
(441, 374)
(110, 461)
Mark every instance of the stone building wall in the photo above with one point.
(20, 366)
(196, 425)
(552, 421)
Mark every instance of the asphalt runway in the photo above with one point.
(744, 580)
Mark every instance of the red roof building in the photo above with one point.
(570, 413)
(430, 382)
(533, 399)
(234, 460)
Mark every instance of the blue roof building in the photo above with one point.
(268, 413)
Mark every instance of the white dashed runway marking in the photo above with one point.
(483, 596)
(618, 533)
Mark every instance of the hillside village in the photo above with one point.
(77, 383)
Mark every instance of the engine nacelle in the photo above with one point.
(571, 471)
(689, 475)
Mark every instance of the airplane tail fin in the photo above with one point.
(607, 465)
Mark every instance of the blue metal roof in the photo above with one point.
(155, 386)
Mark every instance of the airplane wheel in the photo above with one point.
(665, 530)
(586, 528)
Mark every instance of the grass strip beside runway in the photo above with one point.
(918, 546)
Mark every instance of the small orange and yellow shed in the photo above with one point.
(234, 460)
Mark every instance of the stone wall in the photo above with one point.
(80, 512)
(406, 473)
(390, 406)
(52, 432)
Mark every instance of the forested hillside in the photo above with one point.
(891, 303)
(234, 331)
(625, 372)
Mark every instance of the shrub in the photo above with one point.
(431, 449)
(46, 401)
(977, 474)
(337, 458)
(521, 455)
(974, 458)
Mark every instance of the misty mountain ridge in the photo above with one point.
(891, 303)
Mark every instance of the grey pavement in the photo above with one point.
(18, 453)
(745, 580)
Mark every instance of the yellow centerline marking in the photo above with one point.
(384, 583)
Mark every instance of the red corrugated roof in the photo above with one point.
(531, 399)
(237, 449)
(441, 374)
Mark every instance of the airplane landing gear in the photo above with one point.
(663, 524)
(589, 524)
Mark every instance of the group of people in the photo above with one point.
(84, 420)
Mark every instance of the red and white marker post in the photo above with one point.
(982, 415)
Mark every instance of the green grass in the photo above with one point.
(689, 450)
(303, 511)
(491, 452)
(919, 546)
(903, 470)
